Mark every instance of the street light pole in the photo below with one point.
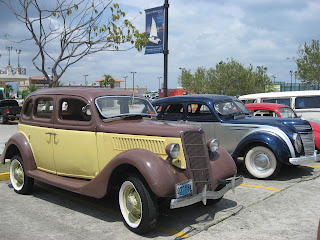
(85, 79)
(18, 51)
(291, 72)
(133, 80)
(9, 49)
(125, 82)
(159, 82)
(165, 50)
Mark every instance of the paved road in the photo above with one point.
(284, 208)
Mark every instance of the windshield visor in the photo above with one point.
(111, 106)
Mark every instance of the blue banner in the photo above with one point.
(154, 29)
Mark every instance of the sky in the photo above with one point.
(201, 34)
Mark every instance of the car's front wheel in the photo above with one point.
(20, 182)
(138, 208)
(261, 163)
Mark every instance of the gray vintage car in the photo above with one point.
(264, 143)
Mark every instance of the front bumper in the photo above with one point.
(305, 159)
(204, 195)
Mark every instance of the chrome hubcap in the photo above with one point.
(261, 162)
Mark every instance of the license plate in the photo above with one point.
(184, 189)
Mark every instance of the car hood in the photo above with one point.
(270, 121)
(147, 127)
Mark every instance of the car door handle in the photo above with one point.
(51, 133)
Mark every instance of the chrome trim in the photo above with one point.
(204, 195)
(305, 159)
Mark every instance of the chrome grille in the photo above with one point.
(197, 159)
(307, 138)
(308, 142)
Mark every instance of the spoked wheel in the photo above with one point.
(20, 181)
(261, 163)
(138, 209)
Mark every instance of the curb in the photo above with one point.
(4, 176)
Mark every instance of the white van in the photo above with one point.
(305, 103)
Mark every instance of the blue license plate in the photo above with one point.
(184, 189)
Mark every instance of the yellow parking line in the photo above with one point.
(310, 166)
(4, 176)
(255, 186)
(172, 231)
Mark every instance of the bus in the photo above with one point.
(2, 96)
(305, 103)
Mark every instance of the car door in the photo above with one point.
(39, 131)
(75, 145)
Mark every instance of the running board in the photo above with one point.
(83, 187)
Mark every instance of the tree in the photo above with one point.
(9, 89)
(76, 29)
(308, 63)
(229, 78)
(32, 88)
(108, 81)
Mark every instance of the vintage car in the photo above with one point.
(93, 141)
(264, 143)
(280, 110)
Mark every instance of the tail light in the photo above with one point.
(8, 111)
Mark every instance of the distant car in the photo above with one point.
(91, 141)
(264, 143)
(280, 110)
(9, 110)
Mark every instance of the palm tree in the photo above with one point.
(108, 81)
(32, 88)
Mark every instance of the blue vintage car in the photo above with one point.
(265, 143)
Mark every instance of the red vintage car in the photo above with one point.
(280, 110)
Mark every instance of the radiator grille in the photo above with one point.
(308, 142)
(197, 159)
(307, 138)
(124, 143)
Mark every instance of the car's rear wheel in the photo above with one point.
(261, 163)
(138, 207)
(20, 181)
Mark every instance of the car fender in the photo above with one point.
(158, 173)
(19, 142)
(278, 146)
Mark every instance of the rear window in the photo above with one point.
(9, 103)
(284, 101)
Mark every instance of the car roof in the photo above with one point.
(196, 97)
(275, 106)
(87, 92)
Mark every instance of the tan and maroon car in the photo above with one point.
(91, 141)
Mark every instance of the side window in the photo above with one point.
(174, 110)
(74, 110)
(308, 102)
(198, 110)
(28, 108)
(44, 108)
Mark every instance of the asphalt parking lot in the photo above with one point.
(284, 208)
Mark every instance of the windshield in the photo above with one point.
(287, 112)
(114, 106)
(227, 108)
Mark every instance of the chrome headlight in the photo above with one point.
(297, 142)
(173, 150)
(213, 145)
